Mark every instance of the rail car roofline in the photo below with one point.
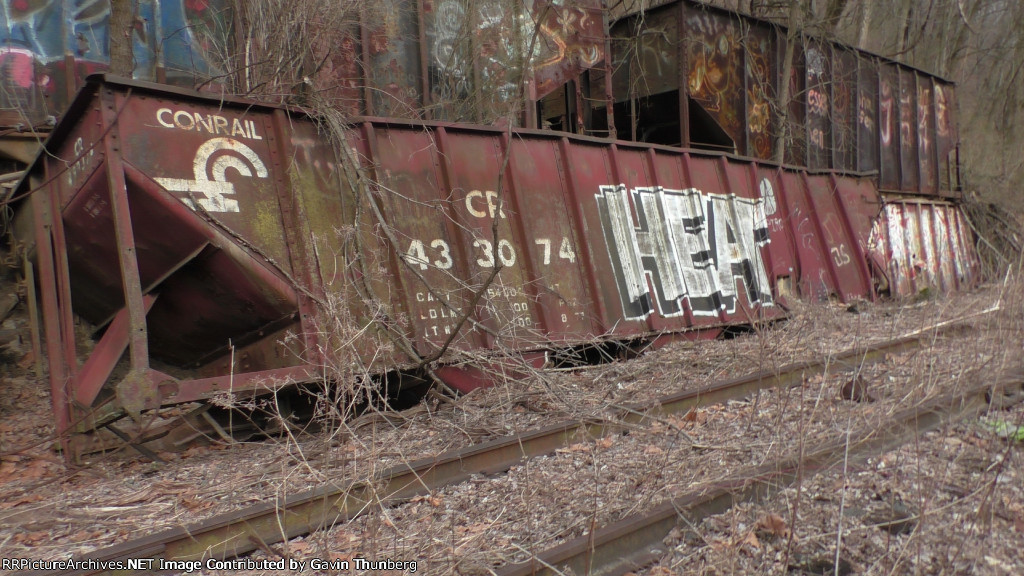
(95, 82)
(783, 28)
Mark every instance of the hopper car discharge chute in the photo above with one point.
(223, 245)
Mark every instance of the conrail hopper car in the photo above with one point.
(215, 246)
(228, 245)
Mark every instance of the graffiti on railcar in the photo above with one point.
(925, 135)
(819, 106)
(844, 110)
(759, 71)
(909, 147)
(482, 47)
(571, 40)
(393, 52)
(907, 113)
(715, 54)
(469, 45)
(942, 116)
(888, 128)
(694, 247)
(38, 35)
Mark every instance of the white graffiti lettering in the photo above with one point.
(234, 155)
(692, 246)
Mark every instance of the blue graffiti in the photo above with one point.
(53, 29)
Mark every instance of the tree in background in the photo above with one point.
(979, 44)
(122, 26)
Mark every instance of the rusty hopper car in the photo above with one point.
(228, 245)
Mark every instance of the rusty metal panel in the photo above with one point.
(645, 54)
(813, 262)
(394, 57)
(715, 54)
(889, 127)
(216, 278)
(923, 247)
(926, 135)
(431, 260)
(946, 135)
(909, 168)
(844, 109)
(796, 124)
(571, 39)
(450, 60)
(818, 104)
(483, 209)
(341, 78)
(538, 177)
(784, 257)
(843, 248)
(760, 70)
(868, 125)
(223, 162)
(857, 207)
(476, 52)
(591, 176)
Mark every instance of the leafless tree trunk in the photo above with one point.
(833, 16)
(122, 25)
(865, 25)
(782, 104)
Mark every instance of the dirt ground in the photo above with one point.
(960, 487)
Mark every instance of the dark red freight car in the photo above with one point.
(231, 245)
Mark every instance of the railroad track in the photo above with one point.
(236, 533)
(636, 541)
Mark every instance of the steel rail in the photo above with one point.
(638, 540)
(242, 531)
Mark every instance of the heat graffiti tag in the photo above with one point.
(210, 188)
(692, 246)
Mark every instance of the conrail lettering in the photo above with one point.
(210, 123)
(693, 246)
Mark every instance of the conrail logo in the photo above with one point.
(209, 187)
(209, 123)
(693, 246)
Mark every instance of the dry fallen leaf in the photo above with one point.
(750, 539)
(81, 536)
(194, 503)
(475, 528)
(31, 538)
(774, 525)
(335, 556)
(23, 500)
